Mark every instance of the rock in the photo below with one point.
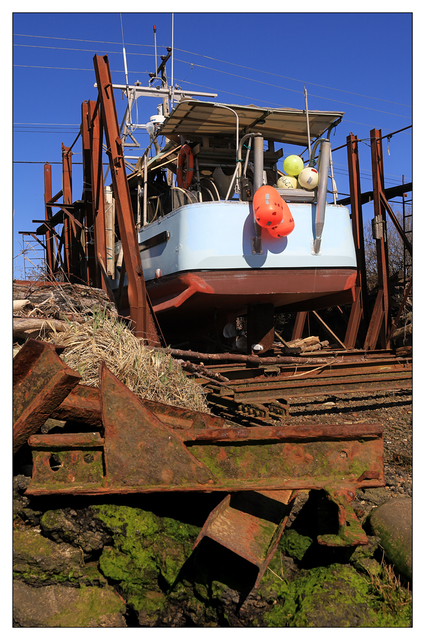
(39, 561)
(376, 495)
(392, 523)
(334, 596)
(80, 528)
(62, 606)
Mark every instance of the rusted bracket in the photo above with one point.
(350, 532)
(41, 381)
(250, 524)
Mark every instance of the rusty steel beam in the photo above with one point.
(375, 323)
(390, 193)
(326, 383)
(381, 243)
(399, 228)
(250, 524)
(48, 216)
(297, 331)
(140, 453)
(97, 215)
(41, 381)
(141, 313)
(359, 310)
(82, 404)
(354, 321)
(67, 199)
(89, 247)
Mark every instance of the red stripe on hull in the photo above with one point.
(295, 289)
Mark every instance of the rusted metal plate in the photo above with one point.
(41, 381)
(143, 454)
(140, 450)
(250, 524)
(82, 404)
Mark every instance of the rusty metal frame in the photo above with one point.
(48, 216)
(379, 322)
(139, 452)
(298, 328)
(89, 246)
(359, 309)
(98, 195)
(67, 199)
(41, 381)
(141, 313)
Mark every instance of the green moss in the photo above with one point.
(89, 609)
(147, 553)
(294, 544)
(39, 560)
(334, 596)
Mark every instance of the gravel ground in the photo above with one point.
(393, 410)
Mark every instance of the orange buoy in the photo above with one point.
(185, 167)
(285, 227)
(268, 206)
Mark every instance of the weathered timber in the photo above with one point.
(30, 327)
(235, 357)
(54, 297)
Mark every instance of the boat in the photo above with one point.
(206, 259)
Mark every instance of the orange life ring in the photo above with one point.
(185, 164)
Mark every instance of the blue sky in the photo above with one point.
(358, 63)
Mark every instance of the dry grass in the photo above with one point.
(150, 374)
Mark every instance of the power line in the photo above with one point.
(269, 84)
(200, 55)
(25, 35)
(245, 78)
(36, 46)
(288, 78)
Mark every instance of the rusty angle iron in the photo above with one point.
(131, 445)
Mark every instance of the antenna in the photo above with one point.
(125, 66)
(154, 37)
(308, 123)
(123, 51)
(172, 60)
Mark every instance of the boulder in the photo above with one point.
(392, 523)
(40, 561)
(66, 606)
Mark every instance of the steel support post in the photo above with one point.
(379, 223)
(359, 308)
(298, 329)
(89, 247)
(48, 217)
(67, 199)
(98, 196)
(141, 313)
